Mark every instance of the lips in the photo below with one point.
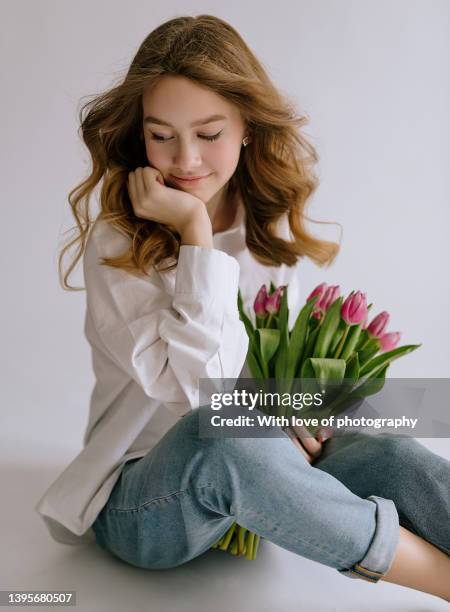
(190, 179)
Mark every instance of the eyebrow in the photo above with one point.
(150, 119)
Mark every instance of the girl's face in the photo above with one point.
(178, 148)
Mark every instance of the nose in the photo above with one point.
(187, 157)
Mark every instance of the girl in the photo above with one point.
(205, 179)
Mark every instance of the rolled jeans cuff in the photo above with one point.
(380, 554)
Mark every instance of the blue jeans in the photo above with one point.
(343, 511)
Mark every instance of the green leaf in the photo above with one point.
(269, 339)
(313, 323)
(260, 322)
(254, 366)
(388, 357)
(271, 288)
(351, 341)
(309, 384)
(351, 375)
(337, 338)
(328, 370)
(322, 374)
(352, 368)
(364, 336)
(298, 337)
(247, 324)
(240, 302)
(372, 384)
(328, 329)
(369, 387)
(282, 353)
(310, 342)
(366, 354)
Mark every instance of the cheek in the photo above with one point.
(224, 159)
(156, 156)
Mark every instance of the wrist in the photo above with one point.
(198, 230)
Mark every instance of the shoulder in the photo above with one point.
(104, 240)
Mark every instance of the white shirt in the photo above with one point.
(152, 338)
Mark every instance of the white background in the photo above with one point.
(373, 79)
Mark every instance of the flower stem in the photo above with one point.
(250, 541)
(233, 549)
(255, 545)
(241, 539)
(227, 538)
(341, 343)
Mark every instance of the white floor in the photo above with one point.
(276, 581)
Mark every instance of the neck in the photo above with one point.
(215, 205)
(221, 210)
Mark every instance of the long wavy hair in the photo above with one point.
(274, 174)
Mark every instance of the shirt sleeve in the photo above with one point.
(166, 343)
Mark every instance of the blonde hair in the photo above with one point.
(274, 174)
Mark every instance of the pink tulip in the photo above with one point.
(259, 305)
(378, 325)
(320, 291)
(389, 341)
(273, 301)
(330, 296)
(354, 308)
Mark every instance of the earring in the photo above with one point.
(245, 141)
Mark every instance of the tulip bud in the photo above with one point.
(274, 301)
(354, 308)
(319, 290)
(330, 296)
(378, 325)
(259, 305)
(389, 341)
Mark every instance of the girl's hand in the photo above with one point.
(152, 199)
(310, 447)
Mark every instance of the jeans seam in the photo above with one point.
(156, 499)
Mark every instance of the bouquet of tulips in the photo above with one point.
(331, 346)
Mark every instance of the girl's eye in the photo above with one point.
(162, 139)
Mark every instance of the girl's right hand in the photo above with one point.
(152, 199)
(309, 446)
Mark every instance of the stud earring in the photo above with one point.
(245, 141)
